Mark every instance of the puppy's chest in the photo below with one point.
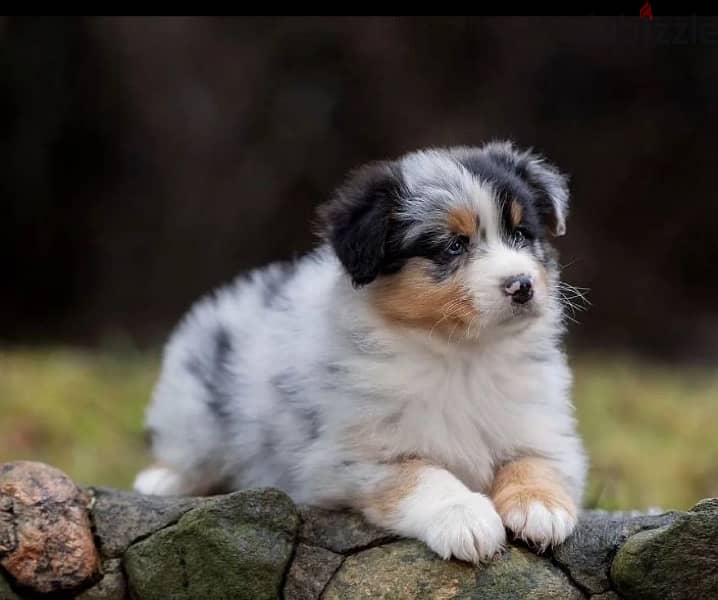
(460, 417)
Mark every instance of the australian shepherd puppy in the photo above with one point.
(409, 367)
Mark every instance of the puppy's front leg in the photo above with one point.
(534, 502)
(420, 500)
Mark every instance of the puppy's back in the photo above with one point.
(214, 389)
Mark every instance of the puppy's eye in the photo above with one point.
(457, 246)
(521, 236)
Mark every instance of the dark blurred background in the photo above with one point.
(147, 160)
(144, 161)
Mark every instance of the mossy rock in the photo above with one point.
(405, 569)
(408, 569)
(238, 546)
(112, 586)
(520, 573)
(676, 562)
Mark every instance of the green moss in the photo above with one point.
(520, 573)
(651, 563)
(408, 569)
(237, 547)
(405, 569)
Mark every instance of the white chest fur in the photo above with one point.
(467, 413)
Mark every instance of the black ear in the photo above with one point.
(356, 220)
(548, 184)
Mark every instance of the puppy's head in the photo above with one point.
(452, 240)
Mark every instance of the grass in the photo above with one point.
(79, 412)
(651, 432)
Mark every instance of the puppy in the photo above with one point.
(409, 367)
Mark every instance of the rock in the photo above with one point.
(254, 545)
(408, 569)
(311, 570)
(112, 586)
(8, 540)
(120, 518)
(587, 554)
(520, 573)
(236, 546)
(678, 561)
(404, 569)
(45, 532)
(339, 531)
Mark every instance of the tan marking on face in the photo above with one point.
(413, 297)
(517, 212)
(463, 221)
(385, 501)
(528, 480)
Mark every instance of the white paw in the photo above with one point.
(467, 528)
(158, 481)
(540, 525)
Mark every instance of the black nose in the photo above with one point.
(519, 288)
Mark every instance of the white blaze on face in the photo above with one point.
(495, 262)
(486, 275)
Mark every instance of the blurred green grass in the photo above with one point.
(651, 432)
(79, 411)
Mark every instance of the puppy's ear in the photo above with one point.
(544, 178)
(356, 220)
(552, 188)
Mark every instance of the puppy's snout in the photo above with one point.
(520, 288)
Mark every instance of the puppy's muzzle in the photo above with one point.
(520, 288)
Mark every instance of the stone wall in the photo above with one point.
(59, 541)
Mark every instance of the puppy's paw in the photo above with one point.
(537, 521)
(467, 528)
(533, 501)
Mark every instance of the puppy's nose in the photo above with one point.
(520, 288)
